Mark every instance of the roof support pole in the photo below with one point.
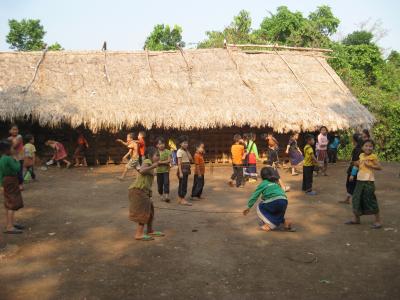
(36, 71)
(188, 68)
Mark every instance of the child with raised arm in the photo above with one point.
(199, 171)
(132, 153)
(310, 161)
(141, 209)
(163, 170)
(29, 156)
(364, 199)
(9, 168)
(271, 210)
(60, 154)
(184, 159)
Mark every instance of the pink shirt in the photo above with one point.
(322, 142)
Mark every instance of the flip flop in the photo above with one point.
(145, 238)
(376, 226)
(290, 229)
(156, 234)
(19, 226)
(186, 204)
(351, 222)
(13, 231)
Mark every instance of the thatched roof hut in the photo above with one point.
(191, 89)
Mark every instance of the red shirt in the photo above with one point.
(200, 165)
(142, 146)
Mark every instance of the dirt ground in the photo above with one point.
(79, 243)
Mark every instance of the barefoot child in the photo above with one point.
(9, 168)
(132, 153)
(141, 209)
(364, 198)
(30, 156)
(184, 159)
(271, 210)
(252, 157)
(273, 148)
(322, 150)
(295, 155)
(163, 170)
(310, 161)
(80, 151)
(141, 145)
(17, 148)
(199, 171)
(238, 154)
(60, 154)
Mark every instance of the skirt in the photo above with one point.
(141, 209)
(322, 155)
(12, 194)
(364, 200)
(295, 157)
(272, 213)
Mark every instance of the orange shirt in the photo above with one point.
(200, 165)
(237, 151)
(142, 146)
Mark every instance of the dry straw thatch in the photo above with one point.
(189, 89)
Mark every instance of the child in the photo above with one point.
(273, 148)
(310, 162)
(80, 151)
(141, 145)
(184, 159)
(141, 209)
(30, 156)
(355, 156)
(322, 150)
(252, 157)
(199, 171)
(172, 147)
(132, 154)
(238, 153)
(295, 155)
(364, 199)
(17, 148)
(60, 153)
(333, 148)
(163, 170)
(9, 168)
(271, 210)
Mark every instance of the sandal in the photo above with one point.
(19, 226)
(290, 229)
(156, 234)
(376, 226)
(344, 201)
(351, 222)
(145, 238)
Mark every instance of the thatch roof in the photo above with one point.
(190, 89)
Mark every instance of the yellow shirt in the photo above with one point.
(308, 156)
(143, 182)
(365, 173)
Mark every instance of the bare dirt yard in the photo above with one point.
(79, 243)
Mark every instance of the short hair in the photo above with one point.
(368, 141)
(269, 173)
(357, 138)
(142, 133)
(237, 137)
(150, 151)
(160, 140)
(198, 144)
(28, 138)
(293, 134)
(131, 135)
(14, 125)
(5, 146)
(309, 137)
(183, 138)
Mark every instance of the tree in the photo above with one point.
(361, 37)
(163, 38)
(55, 47)
(26, 35)
(324, 19)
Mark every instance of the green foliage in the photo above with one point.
(163, 38)
(55, 47)
(324, 19)
(361, 37)
(25, 35)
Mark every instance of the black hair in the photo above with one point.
(142, 133)
(357, 138)
(368, 141)
(309, 137)
(293, 134)
(13, 125)
(320, 129)
(5, 146)
(198, 144)
(150, 151)
(132, 135)
(182, 139)
(28, 138)
(366, 132)
(237, 137)
(160, 140)
(269, 173)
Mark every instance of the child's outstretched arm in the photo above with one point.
(254, 197)
(146, 169)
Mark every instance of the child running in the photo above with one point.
(141, 145)
(364, 199)
(238, 154)
(141, 209)
(310, 161)
(184, 159)
(322, 150)
(271, 210)
(80, 151)
(199, 171)
(17, 145)
(60, 154)
(30, 156)
(9, 168)
(132, 154)
(163, 170)
(295, 155)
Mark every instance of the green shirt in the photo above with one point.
(164, 156)
(8, 167)
(269, 191)
(252, 148)
(143, 181)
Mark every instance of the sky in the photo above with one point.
(85, 24)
